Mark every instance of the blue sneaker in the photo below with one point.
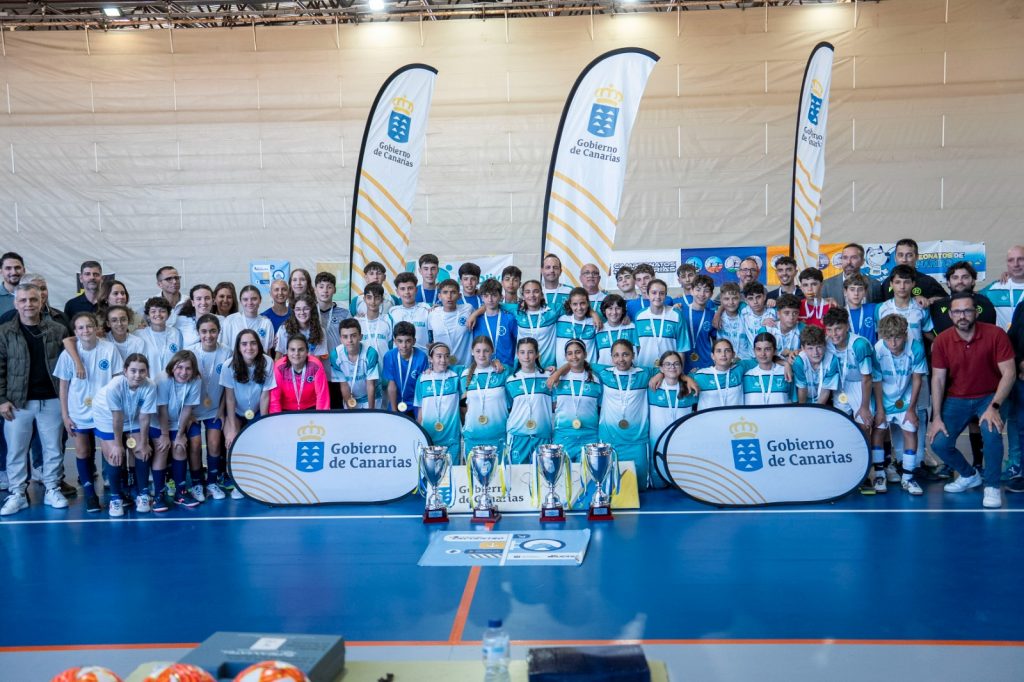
(159, 503)
(1013, 471)
(1016, 485)
(183, 498)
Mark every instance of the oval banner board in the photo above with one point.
(323, 457)
(760, 455)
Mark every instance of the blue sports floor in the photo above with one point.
(930, 574)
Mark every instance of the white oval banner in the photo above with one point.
(776, 454)
(324, 457)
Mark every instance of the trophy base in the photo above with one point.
(484, 516)
(552, 514)
(435, 516)
(600, 513)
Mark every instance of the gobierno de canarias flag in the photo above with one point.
(588, 164)
(809, 158)
(389, 166)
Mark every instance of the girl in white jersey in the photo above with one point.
(576, 323)
(161, 341)
(484, 389)
(213, 359)
(672, 400)
(304, 321)
(247, 382)
(721, 385)
(529, 419)
(437, 396)
(178, 395)
(199, 303)
(617, 326)
(625, 422)
(537, 321)
(766, 383)
(577, 398)
(248, 318)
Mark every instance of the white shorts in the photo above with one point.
(899, 421)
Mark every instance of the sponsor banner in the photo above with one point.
(302, 458)
(664, 261)
(828, 262)
(389, 166)
(263, 272)
(529, 548)
(490, 267)
(588, 164)
(809, 157)
(754, 456)
(517, 494)
(721, 263)
(933, 258)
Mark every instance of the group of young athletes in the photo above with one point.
(500, 362)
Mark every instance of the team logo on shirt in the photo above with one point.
(218, 367)
(104, 364)
(309, 451)
(604, 114)
(262, 333)
(746, 447)
(173, 347)
(401, 119)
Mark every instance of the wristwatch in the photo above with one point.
(995, 405)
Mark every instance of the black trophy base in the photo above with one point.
(435, 516)
(600, 513)
(484, 516)
(554, 514)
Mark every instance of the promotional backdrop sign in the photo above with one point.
(809, 157)
(262, 273)
(933, 258)
(664, 261)
(522, 548)
(588, 164)
(490, 267)
(389, 166)
(322, 457)
(829, 256)
(754, 456)
(721, 264)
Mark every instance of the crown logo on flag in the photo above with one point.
(817, 88)
(311, 432)
(609, 96)
(743, 429)
(402, 105)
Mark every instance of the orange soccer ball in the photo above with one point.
(90, 673)
(271, 671)
(178, 672)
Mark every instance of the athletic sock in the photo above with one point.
(159, 481)
(113, 476)
(197, 476)
(878, 459)
(84, 475)
(213, 464)
(178, 469)
(142, 477)
(909, 464)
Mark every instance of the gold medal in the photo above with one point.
(843, 398)
(576, 424)
(131, 442)
(352, 402)
(439, 426)
(402, 407)
(483, 419)
(531, 424)
(695, 356)
(207, 402)
(88, 402)
(899, 404)
(623, 423)
(249, 414)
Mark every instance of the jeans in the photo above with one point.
(956, 413)
(46, 415)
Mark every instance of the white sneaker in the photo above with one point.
(963, 483)
(215, 492)
(891, 474)
(14, 504)
(55, 498)
(143, 504)
(912, 487)
(993, 498)
(197, 492)
(236, 494)
(116, 508)
(878, 483)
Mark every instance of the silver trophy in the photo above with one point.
(483, 461)
(599, 459)
(551, 462)
(434, 464)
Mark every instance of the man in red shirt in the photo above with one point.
(973, 371)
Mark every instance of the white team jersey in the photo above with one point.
(766, 387)
(176, 397)
(1005, 299)
(101, 364)
(531, 404)
(366, 367)
(160, 347)
(320, 350)
(378, 334)
(116, 396)
(919, 320)
(658, 333)
(418, 315)
(450, 328)
(211, 365)
(131, 344)
(248, 394)
(720, 388)
(855, 361)
(187, 327)
(568, 328)
(235, 323)
(752, 322)
(733, 329)
(895, 373)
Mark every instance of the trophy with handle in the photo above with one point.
(435, 462)
(482, 463)
(550, 463)
(600, 463)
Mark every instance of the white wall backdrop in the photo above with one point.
(208, 148)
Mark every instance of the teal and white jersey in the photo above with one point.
(666, 407)
(418, 315)
(485, 397)
(101, 363)
(815, 379)
(720, 388)
(450, 328)
(1005, 298)
(437, 396)
(607, 337)
(117, 396)
(530, 398)
(249, 393)
(895, 374)
(752, 322)
(377, 334)
(731, 328)
(596, 300)
(785, 341)
(766, 387)
(541, 325)
(355, 373)
(160, 348)
(131, 344)
(556, 297)
(577, 396)
(176, 397)
(211, 364)
(919, 320)
(236, 323)
(660, 333)
(624, 409)
(855, 360)
(569, 327)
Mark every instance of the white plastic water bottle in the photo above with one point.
(496, 652)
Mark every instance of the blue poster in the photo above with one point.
(523, 548)
(721, 263)
(263, 272)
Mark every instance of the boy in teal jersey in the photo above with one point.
(356, 366)
(787, 331)
(729, 323)
(815, 376)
